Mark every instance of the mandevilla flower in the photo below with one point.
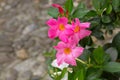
(80, 30)
(59, 28)
(67, 52)
(61, 10)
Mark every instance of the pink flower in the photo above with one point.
(67, 52)
(59, 28)
(80, 30)
(61, 10)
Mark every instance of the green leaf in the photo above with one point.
(93, 73)
(53, 12)
(112, 67)
(116, 43)
(80, 13)
(81, 5)
(91, 13)
(63, 73)
(109, 9)
(116, 5)
(96, 4)
(106, 19)
(98, 55)
(80, 75)
(98, 34)
(86, 41)
(69, 5)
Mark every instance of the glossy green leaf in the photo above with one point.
(80, 13)
(96, 4)
(53, 12)
(69, 5)
(106, 19)
(116, 5)
(116, 43)
(98, 55)
(93, 73)
(112, 67)
(109, 9)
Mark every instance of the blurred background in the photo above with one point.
(23, 38)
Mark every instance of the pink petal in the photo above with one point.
(62, 20)
(85, 25)
(69, 31)
(52, 33)
(52, 23)
(77, 52)
(70, 60)
(63, 37)
(60, 57)
(77, 21)
(60, 45)
(76, 38)
(84, 33)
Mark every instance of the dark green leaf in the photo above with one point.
(106, 19)
(96, 4)
(91, 13)
(98, 34)
(112, 67)
(116, 5)
(98, 55)
(86, 41)
(69, 5)
(116, 43)
(53, 12)
(93, 73)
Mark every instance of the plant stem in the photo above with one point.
(81, 61)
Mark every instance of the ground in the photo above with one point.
(23, 39)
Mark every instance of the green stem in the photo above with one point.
(81, 61)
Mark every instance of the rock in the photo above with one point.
(24, 75)
(5, 58)
(29, 29)
(7, 7)
(39, 70)
(11, 74)
(5, 43)
(22, 54)
(25, 65)
(6, 49)
(29, 43)
(40, 58)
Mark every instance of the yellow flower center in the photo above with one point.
(67, 50)
(77, 29)
(61, 27)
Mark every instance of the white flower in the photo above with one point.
(63, 65)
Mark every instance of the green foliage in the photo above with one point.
(69, 5)
(112, 67)
(104, 18)
(53, 12)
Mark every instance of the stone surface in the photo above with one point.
(22, 54)
(23, 39)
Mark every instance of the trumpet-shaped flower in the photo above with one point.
(67, 52)
(59, 28)
(61, 10)
(80, 30)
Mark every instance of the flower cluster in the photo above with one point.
(69, 34)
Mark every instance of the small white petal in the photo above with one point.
(63, 65)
